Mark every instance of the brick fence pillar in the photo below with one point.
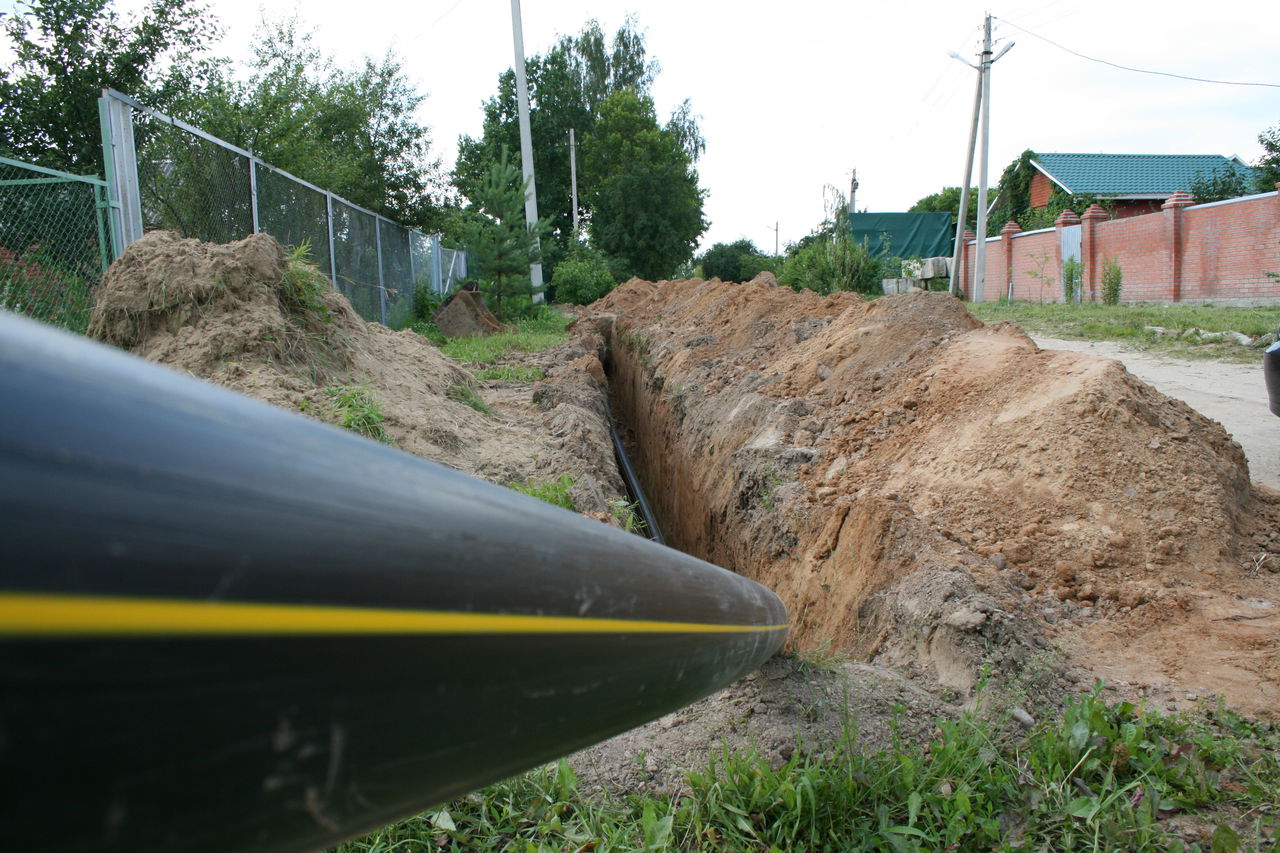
(1006, 242)
(966, 266)
(1065, 218)
(1089, 248)
(1173, 210)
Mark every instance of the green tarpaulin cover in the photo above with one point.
(904, 235)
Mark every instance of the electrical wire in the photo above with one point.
(1129, 68)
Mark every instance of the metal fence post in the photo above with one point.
(437, 279)
(333, 264)
(253, 191)
(382, 285)
(121, 168)
(101, 211)
(413, 281)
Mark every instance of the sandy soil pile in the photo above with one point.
(935, 494)
(240, 315)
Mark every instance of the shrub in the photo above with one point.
(1071, 276)
(1112, 277)
(581, 280)
(831, 264)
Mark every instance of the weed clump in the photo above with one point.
(555, 492)
(355, 408)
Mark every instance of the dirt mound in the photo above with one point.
(464, 315)
(931, 492)
(245, 316)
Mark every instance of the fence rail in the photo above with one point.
(165, 173)
(53, 242)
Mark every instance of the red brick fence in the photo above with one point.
(1220, 251)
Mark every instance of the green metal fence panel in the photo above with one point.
(53, 248)
(165, 173)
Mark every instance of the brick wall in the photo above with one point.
(1041, 190)
(1221, 252)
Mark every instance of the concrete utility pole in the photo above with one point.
(853, 191)
(526, 145)
(979, 263)
(958, 256)
(573, 179)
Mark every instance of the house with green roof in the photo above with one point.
(1133, 183)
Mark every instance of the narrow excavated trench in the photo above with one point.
(664, 484)
(930, 493)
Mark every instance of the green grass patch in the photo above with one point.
(430, 331)
(628, 515)
(1098, 776)
(554, 492)
(542, 331)
(355, 408)
(511, 373)
(1128, 323)
(465, 394)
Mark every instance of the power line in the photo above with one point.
(1138, 70)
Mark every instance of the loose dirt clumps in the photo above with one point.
(244, 316)
(942, 496)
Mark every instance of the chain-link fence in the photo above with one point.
(167, 174)
(53, 243)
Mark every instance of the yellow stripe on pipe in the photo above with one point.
(48, 615)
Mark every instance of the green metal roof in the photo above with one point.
(1120, 175)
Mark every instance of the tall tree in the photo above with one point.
(68, 50)
(354, 131)
(948, 201)
(1267, 169)
(498, 237)
(567, 84)
(646, 204)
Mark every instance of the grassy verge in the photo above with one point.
(544, 330)
(555, 492)
(511, 373)
(1129, 324)
(1097, 777)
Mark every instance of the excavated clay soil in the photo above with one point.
(933, 499)
(224, 313)
(936, 495)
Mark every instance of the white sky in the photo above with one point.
(794, 95)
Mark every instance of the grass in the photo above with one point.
(355, 408)
(543, 330)
(1128, 324)
(554, 492)
(628, 515)
(511, 373)
(1097, 777)
(465, 394)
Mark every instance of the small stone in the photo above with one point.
(966, 619)
(1024, 719)
(998, 560)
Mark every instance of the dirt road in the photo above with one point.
(1232, 394)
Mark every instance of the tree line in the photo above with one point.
(357, 131)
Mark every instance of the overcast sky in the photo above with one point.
(794, 95)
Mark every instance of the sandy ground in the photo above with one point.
(1231, 394)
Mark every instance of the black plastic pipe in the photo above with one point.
(1271, 372)
(224, 626)
(633, 486)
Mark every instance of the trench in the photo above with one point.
(650, 460)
